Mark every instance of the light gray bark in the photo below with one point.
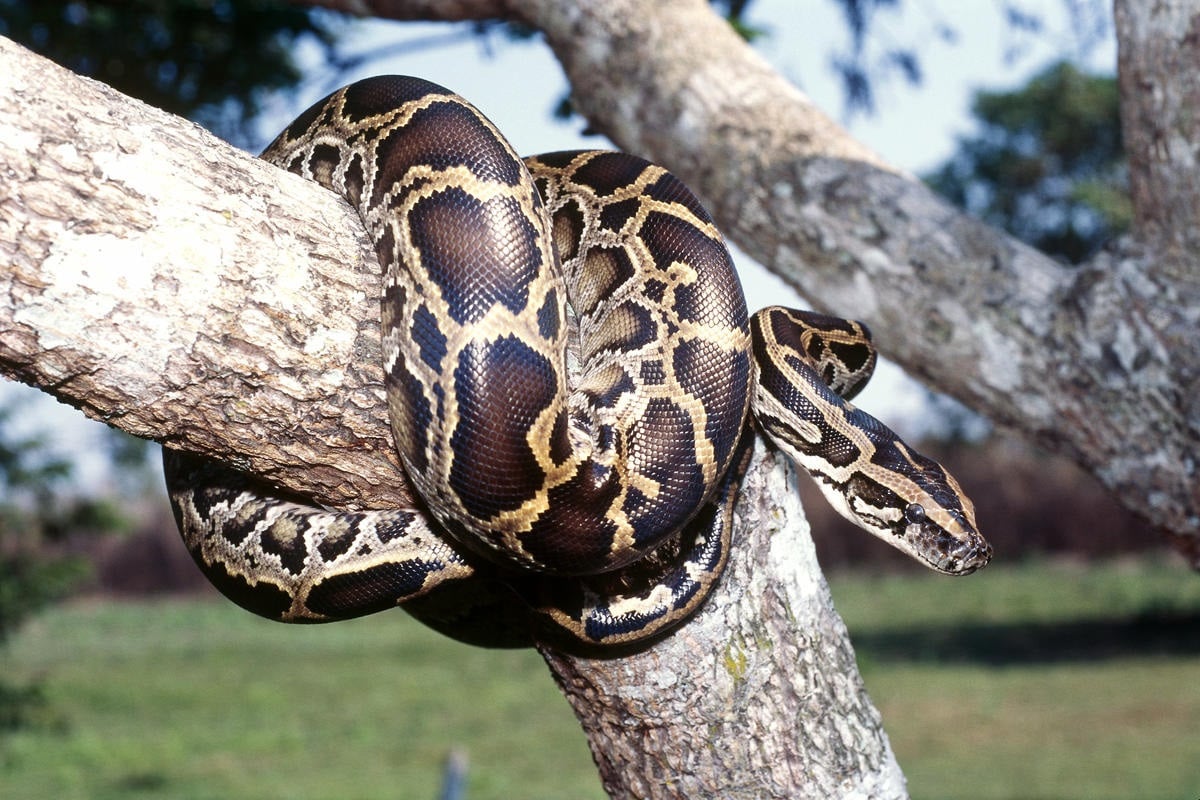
(186, 292)
(136, 288)
(1159, 75)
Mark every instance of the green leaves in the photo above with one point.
(212, 61)
(1047, 163)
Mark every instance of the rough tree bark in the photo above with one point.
(137, 289)
(115, 221)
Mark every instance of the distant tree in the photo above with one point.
(1047, 163)
(36, 514)
(212, 61)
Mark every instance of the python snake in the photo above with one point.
(570, 372)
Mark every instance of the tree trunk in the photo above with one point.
(1100, 362)
(758, 696)
(138, 291)
(1159, 75)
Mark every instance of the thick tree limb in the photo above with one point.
(183, 291)
(1099, 362)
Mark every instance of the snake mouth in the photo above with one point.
(947, 553)
(966, 559)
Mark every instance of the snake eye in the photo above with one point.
(915, 513)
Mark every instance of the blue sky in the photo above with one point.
(517, 85)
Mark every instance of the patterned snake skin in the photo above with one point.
(570, 371)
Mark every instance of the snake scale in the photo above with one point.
(571, 375)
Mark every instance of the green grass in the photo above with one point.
(202, 700)
(1036, 681)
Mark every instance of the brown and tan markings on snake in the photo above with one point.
(571, 374)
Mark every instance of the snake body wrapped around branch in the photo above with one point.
(571, 374)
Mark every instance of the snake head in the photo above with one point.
(943, 536)
(914, 504)
(808, 365)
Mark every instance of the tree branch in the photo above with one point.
(139, 293)
(1098, 362)
(1093, 362)
(172, 286)
(1158, 71)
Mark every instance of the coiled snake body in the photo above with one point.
(570, 371)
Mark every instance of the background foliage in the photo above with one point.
(1046, 164)
(38, 513)
(212, 61)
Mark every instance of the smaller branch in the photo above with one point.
(1097, 362)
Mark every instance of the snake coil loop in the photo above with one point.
(498, 276)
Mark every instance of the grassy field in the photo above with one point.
(1034, 682)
